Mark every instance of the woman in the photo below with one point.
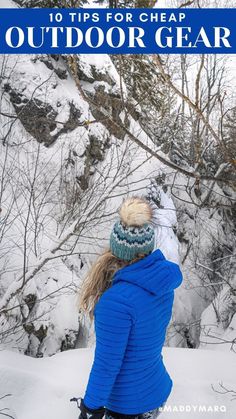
(130, 292)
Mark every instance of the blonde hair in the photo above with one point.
(99, 279)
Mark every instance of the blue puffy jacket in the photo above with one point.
(128, 374)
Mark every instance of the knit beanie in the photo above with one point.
(133, 234)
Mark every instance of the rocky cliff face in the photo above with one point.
(66, 164)
(63, 157)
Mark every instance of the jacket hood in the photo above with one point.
(154, 274)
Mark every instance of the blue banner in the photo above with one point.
(117, 31)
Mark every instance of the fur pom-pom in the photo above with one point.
(135, 212)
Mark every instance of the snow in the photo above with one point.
(114, 170)
(8, 4)
(42, 388)
(214, 334)
(91, 4)
(103, 66)
(30, 77)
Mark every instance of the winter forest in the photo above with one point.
(79, 133)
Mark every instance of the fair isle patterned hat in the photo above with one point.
(133, 234)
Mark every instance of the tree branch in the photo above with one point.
(72, 62)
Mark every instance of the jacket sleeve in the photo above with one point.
(113, 321)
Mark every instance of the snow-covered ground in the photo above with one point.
(42, 388)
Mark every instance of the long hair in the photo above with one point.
(99, 279)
